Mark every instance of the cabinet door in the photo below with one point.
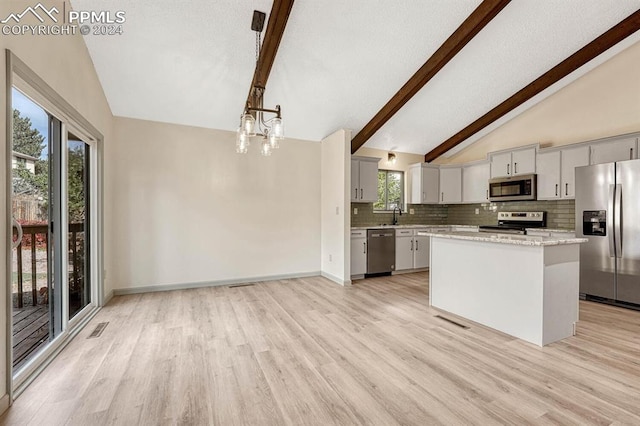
(501, 165)
(570, 159)
(451, 185)
(404, 253)
(355, 180)
(549, 175)
(475, 183)
(421, 251)
(430, 185)
(617, 150)
(358, 256)
(368, 181)
(523, 161)
(414, 185)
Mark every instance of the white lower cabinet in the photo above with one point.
(358, 252)
(412, 250)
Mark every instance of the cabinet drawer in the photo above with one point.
(404, 232)
(358, 233)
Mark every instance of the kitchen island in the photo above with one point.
(525, 286)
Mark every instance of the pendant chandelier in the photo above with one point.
(254, 121)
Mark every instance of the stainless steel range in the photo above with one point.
(516, 222)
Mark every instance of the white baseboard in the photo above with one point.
(4, 403)
(108, 297)
(335, 279)
(201, 284)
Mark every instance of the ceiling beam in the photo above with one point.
(471, 26)
(275, 29)
(607, 40)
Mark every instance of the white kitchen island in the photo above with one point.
(521, 285)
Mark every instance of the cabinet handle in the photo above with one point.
(630, 153)
(556, 189)
(361, 193)
(442, 196)
(364, 248)
(416, 245)
(566, 189)
(508, 168)
(423, 197)
(487, 194)
(515, 168)
(356, 193)
(412, 244)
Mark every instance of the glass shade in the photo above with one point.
(242, 141)
(273, 141)
(266, 148)
(248, 124)
(277, 128)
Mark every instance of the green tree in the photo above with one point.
(26, 139)
(75, 182)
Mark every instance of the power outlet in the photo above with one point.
(412, 211)
(477, 211)
(337, 210)
(355, 210)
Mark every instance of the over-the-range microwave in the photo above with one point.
(513, 188)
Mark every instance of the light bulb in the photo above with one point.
(266, 148)
(248, 124)
(277, 128)
(273, 141)
(242, 141)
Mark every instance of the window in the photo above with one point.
(390, 190)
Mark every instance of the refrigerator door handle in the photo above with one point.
(610, 220)
(618, 220)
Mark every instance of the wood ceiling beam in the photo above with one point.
(273, 35)
(607, 40)
(471, 26)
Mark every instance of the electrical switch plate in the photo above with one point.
(337, 210)
(412, 211)
(355, 210)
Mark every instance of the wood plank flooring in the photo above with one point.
(307, 351)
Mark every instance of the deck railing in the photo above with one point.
(36, 237)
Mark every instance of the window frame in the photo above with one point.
(386, 191)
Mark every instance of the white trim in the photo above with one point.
(335, 279)
(108, 297)
(201, 284)
(4, 403)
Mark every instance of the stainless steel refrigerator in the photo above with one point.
(608, 214)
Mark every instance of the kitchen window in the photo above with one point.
(390, 190)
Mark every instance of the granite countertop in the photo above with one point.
(355, 228)
(521, 240)
(551, 230)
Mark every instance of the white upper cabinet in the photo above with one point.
(571, 158)
(364, 179)
(614, 150)
(556, 171)
(475, 183)
(423, 184)
(512, 163)
(548, 175)
(450, 185)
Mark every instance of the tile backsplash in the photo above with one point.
(560, 213)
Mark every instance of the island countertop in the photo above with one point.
(515, 239)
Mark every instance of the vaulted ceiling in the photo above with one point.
(339, 62)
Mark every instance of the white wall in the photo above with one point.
(604, 102)
(188, 209)
(335, 205)
(64, 63)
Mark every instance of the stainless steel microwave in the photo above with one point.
(514, 188)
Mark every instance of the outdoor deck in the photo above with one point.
(30, 331)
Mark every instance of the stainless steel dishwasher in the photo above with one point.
(381, 251)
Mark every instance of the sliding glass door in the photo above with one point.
(52, 183)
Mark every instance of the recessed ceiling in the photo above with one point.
(338, 63)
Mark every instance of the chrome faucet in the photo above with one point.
(395, 218)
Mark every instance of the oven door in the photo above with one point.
(511, 189)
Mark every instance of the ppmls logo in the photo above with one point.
(88, 22)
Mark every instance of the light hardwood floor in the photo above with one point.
(307, 351)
